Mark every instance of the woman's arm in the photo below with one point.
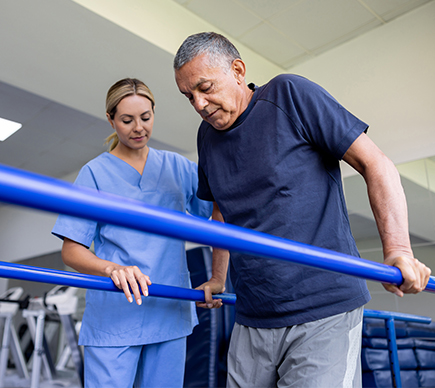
(126, 278)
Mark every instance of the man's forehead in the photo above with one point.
(193, 74)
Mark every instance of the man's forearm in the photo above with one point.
(221, 256)
(388, 203)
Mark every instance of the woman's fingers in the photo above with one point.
(131, 280)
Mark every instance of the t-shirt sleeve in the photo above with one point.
(204, 191)
(77, 229)
(195, 205)
(322, 120)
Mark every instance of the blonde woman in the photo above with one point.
(139, 341)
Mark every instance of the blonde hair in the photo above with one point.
(121, 89)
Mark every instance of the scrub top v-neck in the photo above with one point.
(169, 181)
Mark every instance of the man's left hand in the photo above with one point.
(415, 275)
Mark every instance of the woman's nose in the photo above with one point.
(138, 125)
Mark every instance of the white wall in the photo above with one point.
(386, 77)
(25, 233)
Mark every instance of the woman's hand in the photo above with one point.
(130, 278)
(126, 278)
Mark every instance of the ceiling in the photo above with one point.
(60, 56)
(299, 29)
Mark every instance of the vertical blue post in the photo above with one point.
(392, 347)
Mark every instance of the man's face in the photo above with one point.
(214, 93)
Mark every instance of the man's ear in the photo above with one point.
(239, 70)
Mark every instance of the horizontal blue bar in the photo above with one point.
(72, 279)
(396, 316)
(37, 191)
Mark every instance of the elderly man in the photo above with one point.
(269, 161)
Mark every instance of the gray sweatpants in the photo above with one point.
(319, 354)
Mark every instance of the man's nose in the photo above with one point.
(200, 104)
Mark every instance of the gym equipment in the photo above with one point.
(35, 317)
(59, 303)
(391, 356)
(64, 301)
(10, 304)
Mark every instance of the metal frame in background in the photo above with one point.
(389, 318)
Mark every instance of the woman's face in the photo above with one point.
(133, 121)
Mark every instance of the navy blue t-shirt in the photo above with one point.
(276, 170)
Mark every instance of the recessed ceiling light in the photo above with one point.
(7, 128)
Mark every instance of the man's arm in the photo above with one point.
(388, 203)
(216, 284)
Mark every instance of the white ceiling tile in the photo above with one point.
(344, 38)
(49, 126)
(227, 15)
(267, 8)
(273, 45)
(314, 23)
(390, 9)
(386, 6)
(296, 60)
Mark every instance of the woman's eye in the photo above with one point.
(126, 121)
(145, 118)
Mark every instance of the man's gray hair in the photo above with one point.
(220, 51)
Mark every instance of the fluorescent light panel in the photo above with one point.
(7, 128)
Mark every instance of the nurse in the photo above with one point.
(130, 339)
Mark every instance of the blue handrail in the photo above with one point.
(397, 316)
(49, 194)
(73, 279)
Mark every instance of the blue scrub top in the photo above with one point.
(170, 181)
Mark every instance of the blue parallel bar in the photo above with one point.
(392, 348)
(396, 316)
(72, 279)
(37, 191)
(389, 318)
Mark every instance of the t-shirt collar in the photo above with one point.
(245, 114)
